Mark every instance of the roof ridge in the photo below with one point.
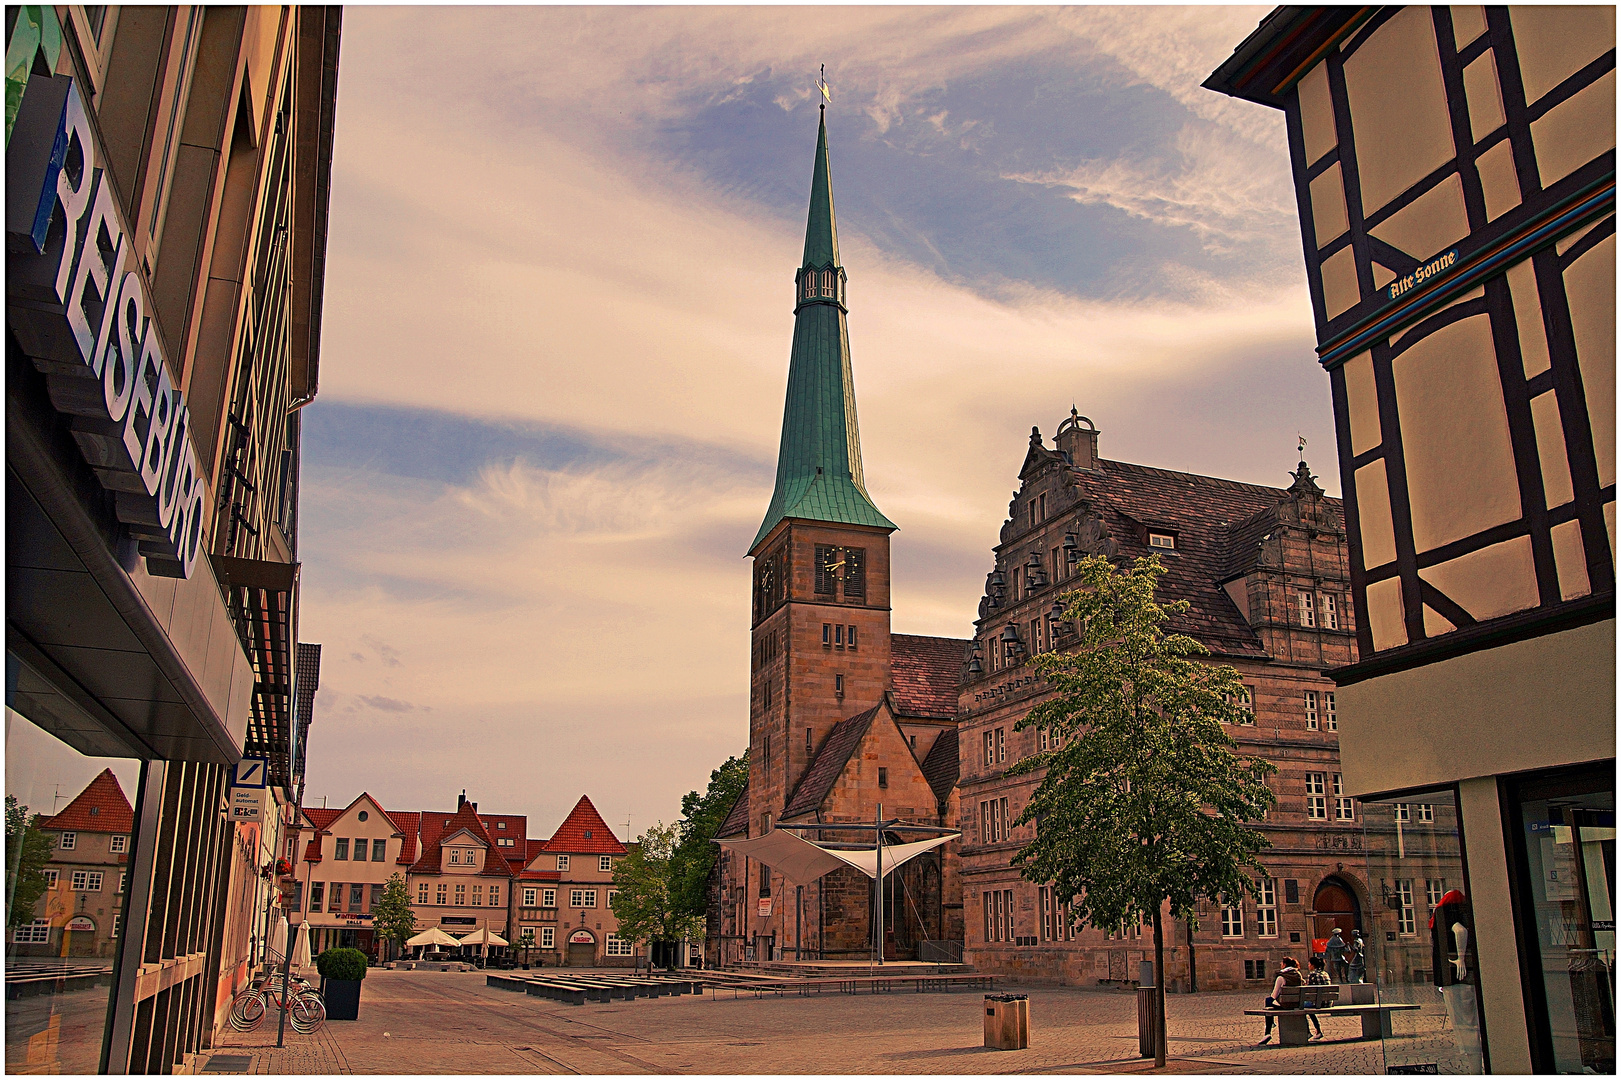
(850, 731)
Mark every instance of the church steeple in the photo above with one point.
(819, 474)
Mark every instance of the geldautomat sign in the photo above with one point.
(80, 309)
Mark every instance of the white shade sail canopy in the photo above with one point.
(433, 936)
(802, 861)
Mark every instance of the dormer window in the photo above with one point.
(455, 858)
(1162, 540)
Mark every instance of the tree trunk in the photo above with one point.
(1159, 988)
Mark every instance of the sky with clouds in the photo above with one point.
(557, 323)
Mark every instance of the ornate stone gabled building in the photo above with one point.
(1265, 571)
(844, 716)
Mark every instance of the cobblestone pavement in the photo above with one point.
(320, 1054)
(450, 1022)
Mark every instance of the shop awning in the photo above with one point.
(802, 861)
(259, 595)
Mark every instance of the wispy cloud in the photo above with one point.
(557, 326)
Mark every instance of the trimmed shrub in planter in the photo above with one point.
(341, 973)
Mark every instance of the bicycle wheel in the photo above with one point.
(307, 1014)
(248, 1010)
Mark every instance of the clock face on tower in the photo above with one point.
(840, 566)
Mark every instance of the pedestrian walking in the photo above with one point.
(1358, 957)
(1317, 976)
(1336, 950)
(1288, 975)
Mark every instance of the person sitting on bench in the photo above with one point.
(1317, 977)
(1288, 975)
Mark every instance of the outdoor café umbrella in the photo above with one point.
(301, 948)
(432, 936)
(278, 939)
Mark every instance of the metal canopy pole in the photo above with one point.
(878, 842)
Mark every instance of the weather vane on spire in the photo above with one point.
(827, 95)
(1302, 439)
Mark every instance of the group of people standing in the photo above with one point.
(1342, 962)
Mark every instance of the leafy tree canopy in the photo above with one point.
(645, 904)
(28, 850)
(393, 918)
(1144, 800)
(701, 817)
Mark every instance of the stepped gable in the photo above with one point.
(99, 808)
(322, 818)
(584, 832)
(925, 673)
(443, 825)
(940, 767)
(828, 764)
(736, 822)
(1201, 511)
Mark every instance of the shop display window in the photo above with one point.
(61, 925)
(1418, 944)
(1565, 826)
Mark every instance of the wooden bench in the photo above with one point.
(1299, 1002)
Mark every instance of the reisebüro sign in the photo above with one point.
(80, 309)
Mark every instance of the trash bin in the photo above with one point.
(1007, 1021)
(1149, 1021)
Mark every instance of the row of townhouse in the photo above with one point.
(465, 872)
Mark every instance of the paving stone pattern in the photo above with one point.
(429, 1022)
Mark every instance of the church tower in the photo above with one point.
(821, 613)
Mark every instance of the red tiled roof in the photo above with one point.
(584, 832)
(99, 808)
(322, 818)
(407, 822)
(542, 875)
(828, 763)
(443, 825)
(1209, 515)
(924, 673)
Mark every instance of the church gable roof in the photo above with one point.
(736, 821)
(828, 764)
(925, 673)
(100, 808)
(940, 767)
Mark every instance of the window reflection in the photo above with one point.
(69, 835)
(1420, 945)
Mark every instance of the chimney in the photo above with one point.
(1079, 444)
(461, 800)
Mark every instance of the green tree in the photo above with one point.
(701, 817)
(393, 918)
(1144, 803)
(28, 850)
(645, 903)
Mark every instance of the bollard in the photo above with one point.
(1149, 1021)
(1007, 1021)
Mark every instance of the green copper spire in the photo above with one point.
(821, 228)
(819, 461)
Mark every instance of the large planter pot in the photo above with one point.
(342, 998)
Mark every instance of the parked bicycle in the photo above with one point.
(306, 1012)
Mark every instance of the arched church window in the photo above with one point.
(827, 282)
